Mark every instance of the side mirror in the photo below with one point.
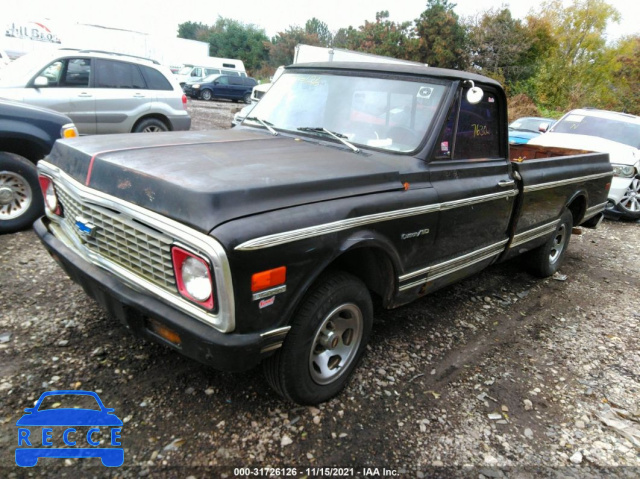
(41, 81)
(543, 127)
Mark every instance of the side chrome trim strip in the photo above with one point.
(553, 184)
(533, 233)
(451, 266)
(223, 320)
(275, 332)
(594, 210)
(312, 231)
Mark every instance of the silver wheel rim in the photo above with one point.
(558, 243)
(15, 195)
(631, 199)
(152, 129)
(206, 95)
(336, 344)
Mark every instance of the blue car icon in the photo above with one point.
(69, 418)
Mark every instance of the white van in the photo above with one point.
(210, 66)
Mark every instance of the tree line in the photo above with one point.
(553, 60)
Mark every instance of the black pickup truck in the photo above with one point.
(266, 243)
(27, 134)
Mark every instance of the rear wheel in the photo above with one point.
(150, 125)
(21, 201)
(629, 205)
(247, 98)
(327, 339)
(206, 95)
(547, 259)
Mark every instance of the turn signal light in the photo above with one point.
(268, 279)
(164, 332)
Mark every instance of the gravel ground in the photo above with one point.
(501, 375)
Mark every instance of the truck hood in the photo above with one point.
(618, 153)
(204, 179)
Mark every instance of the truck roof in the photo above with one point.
(397, 68)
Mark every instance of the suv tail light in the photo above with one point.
(184, 101)
(193, 277)
(50, 195)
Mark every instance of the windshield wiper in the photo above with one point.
(338, 136)
(266, 124)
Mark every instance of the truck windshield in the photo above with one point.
(624, 132)
(388, 114)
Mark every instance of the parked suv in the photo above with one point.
(101, 92)
(608, 132)
(229, 87)
(27, 134)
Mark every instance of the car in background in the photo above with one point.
(27, 134)
(101, 92)
(608, 132)
(524, 129)
(229, 87)
(242, 114)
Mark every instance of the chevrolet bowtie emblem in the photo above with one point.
(85, 228)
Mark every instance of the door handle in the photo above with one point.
(506, 183)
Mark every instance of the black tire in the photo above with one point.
(150, 125)
(206, 95)
(247, 98)
(21, 201)
(331, 329)
(629, 205)
(547, 259)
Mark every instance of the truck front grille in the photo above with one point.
(122, 240)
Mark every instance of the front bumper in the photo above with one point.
(223, 351)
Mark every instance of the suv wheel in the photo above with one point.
(150, 125)
(629, 205)
(21, 201)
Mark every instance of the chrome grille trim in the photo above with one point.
(159, 227)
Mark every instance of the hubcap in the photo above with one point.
(15, 195)
(152, 129)
(631, 199)
(336, 343)
(558, 243)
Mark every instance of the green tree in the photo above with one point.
(441, 39)
(579, 70)
(232, 39)
(627, 78)
(503, 47)
(193, 30)
(282, 47)
(383, 37)
(321, 30)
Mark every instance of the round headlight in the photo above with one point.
(195, 276)
(50, 197)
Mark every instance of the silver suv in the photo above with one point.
(101, 92)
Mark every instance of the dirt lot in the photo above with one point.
(502, 375)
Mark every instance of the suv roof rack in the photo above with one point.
(81, 50)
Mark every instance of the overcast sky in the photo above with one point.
(152, 16)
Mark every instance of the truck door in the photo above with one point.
(471, 173)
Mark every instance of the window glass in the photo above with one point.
(110, 74)
(154, 79)
(53, 72)
(444, 147)
(77, 72)
(197, 72)
(478, 133)
(624, 132)
(235, 80)
(211, 71)
(223, 80)
(390, 114)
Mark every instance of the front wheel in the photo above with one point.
(21, 201)
(247, 98)
(327, 339)
(547, 259)
(206, 95)
(629, 205)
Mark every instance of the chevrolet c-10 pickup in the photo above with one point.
(347, 181)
